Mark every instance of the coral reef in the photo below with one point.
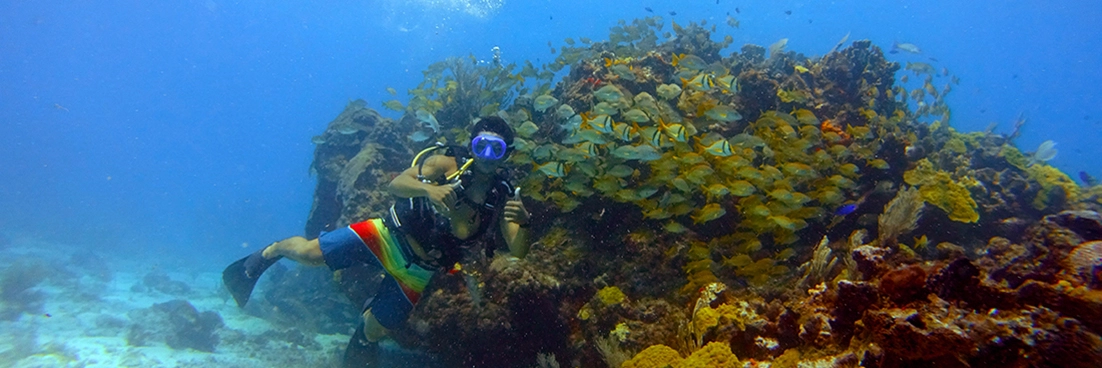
(177, 324)
(305, 297)
(687, 200)
(18, 293)
(92, 264)
(465, 318)
(161, 282)
(352, 168)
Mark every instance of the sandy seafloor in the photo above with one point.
(83, 320)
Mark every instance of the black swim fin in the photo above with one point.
(240, 277)
(361, 352)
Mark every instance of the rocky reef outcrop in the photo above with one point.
(760, 207)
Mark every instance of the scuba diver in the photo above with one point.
(447, 202)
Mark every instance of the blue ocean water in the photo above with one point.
(182, 129)
(187, 125)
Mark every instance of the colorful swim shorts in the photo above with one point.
(372, 242)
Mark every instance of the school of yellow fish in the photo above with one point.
(644, 127)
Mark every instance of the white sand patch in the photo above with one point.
(83, 319)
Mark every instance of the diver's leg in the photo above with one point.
(363, 348)
(240, 277)
(388, 309)
(373, 330)
(297, 248)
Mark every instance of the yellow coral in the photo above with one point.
(790, 359)
(585, 313)
(1049, 177)
(738, 314)
(704, 319)
(939, 189)
(621, 332)
(713, 355)
(1013, 156)
(1052, 180)
(956, 145)
(655, 356)
(611, 295)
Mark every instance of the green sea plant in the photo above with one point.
(459, 89)
(819, 267)
(900, 215)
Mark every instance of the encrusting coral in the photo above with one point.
(939, 189)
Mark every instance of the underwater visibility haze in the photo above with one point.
(703, 184)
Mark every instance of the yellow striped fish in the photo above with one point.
(720, 148)
(675, 131)
(625, 132)
(602, 123)
(589, 149)
(701, 82)
(553, 169)
(653, 135)
(728, 83)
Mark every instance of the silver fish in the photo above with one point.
(419, 136)
(908, 47)
(428, 120)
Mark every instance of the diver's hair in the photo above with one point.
(496, 125)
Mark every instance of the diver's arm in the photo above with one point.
(407, 185)
(297, 248)
(516, 237)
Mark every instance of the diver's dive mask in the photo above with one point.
(489, 147)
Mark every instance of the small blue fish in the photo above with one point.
(1087, 179)
(845, 209)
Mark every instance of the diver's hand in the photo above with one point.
(515, 212)
(443, 197)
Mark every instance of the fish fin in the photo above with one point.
(698, 145)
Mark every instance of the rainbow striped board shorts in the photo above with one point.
(373, 243)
